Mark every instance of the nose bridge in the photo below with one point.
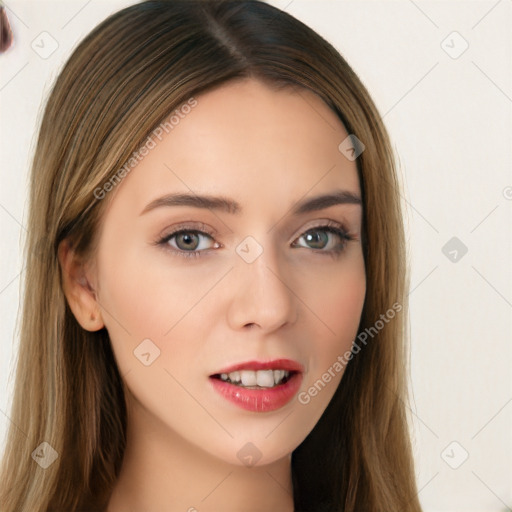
(262, 294)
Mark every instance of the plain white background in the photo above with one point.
(448, 110)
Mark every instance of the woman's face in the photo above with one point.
(188, 293)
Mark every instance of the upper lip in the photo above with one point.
(275, 364)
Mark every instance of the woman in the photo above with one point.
(215, 292)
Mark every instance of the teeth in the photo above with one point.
(248, 378)
(261, 378)
(278, 375)
(265, 379)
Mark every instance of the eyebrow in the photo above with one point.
(232, 207)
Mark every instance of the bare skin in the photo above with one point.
(299, 299)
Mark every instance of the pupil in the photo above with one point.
(316, 237)
(188, 239)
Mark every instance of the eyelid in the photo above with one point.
(188, 226)
(322, 223)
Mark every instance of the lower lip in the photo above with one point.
(259, 400)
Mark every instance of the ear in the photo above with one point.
(79, 293)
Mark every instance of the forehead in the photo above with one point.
(251, 142)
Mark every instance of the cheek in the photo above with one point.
(341, 306)
(141, 295)
(337, 302)
(150, 299)
(130, 296)
(131, 300)
(336, 296)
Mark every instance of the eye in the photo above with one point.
(329, 238)
(188, 242)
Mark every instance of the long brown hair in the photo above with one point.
(120, 83)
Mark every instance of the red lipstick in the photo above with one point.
(255, 398)
(276, 364)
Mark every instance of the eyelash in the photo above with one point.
(330, 227)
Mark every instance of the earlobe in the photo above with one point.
(79, 293)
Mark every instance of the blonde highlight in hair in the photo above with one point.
(119, 84)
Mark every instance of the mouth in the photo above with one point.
(259, 386)
(260, 374)
(261, 379)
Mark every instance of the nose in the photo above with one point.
(263, 295)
